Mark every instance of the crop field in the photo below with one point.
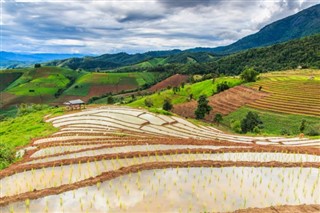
(206, 87)
(290, 92)
(223, 103)
(172, 81)
(95, 84)
(120, 159)
(37, 85)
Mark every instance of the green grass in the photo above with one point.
(88, 80)
(20, 130)
(273, 122)
(197, 89)
(44, 81)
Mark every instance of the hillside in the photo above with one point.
(301, 24)
(123, 62)
(304, 52)
(54, 85)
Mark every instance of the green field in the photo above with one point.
(274, 123)
(18, 131)
(122, 80)
(206, 87)
(44, 81)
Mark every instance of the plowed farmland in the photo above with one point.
(223, 103)
(117, 159)
(294, 93)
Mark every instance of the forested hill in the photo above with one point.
(303, 23)
(304, 52)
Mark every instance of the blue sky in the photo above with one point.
(106, 26)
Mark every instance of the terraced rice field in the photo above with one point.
(290, 94)
(117, 159)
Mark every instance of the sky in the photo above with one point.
(106, 26)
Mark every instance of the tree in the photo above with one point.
(110, 100)
(37, 65)
(148, 102)
(302, 125)
(167, 105)
(222, 86)
(251, 121)
(217, 118)
(203, 107)
(249, 75)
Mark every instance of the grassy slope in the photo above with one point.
(20, 130)
(85, 82)
(197, 89)
(44, 80)
(273, 122)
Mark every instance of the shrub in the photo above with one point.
(251, 121)
(203, 107)
(110, 100)
(148, 102)
(222, 86)
(302, 125)
(285, 132)
(167, 105)
(313, 131)
(217, 118)
(249, 75)
(7, 156)
(236, 126)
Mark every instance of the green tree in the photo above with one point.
(148, 102)
(251, 121)
(302, 125)
(167, 105)
(217, 118)
(110, 100)
(203, 107)
(249, 75)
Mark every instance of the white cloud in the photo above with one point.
(133, 26)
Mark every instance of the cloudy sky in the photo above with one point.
(106, 26)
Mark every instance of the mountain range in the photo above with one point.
(301, 24)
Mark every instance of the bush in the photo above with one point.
(302, 126)
(24, 109)
(7, 156)
(249, 75)
(236, 126)
(167, 105)
(110, 100)
(222, 86)
(217, 118)
(203, 107)
(148, 102)
(313, 131)
(251, 121)
(285, 132)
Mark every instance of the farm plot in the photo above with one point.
(223, 103)
(295, 95)
(130, 160)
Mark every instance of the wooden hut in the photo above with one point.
(75, 104)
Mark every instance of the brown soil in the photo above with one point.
(223, 103)
(99, 90)
(172, 81)
(283, 209)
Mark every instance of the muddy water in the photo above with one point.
(59, 175)
(188, 190)
(259, 157)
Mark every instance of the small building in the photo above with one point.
(74, 104)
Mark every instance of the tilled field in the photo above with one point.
(117, 159)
